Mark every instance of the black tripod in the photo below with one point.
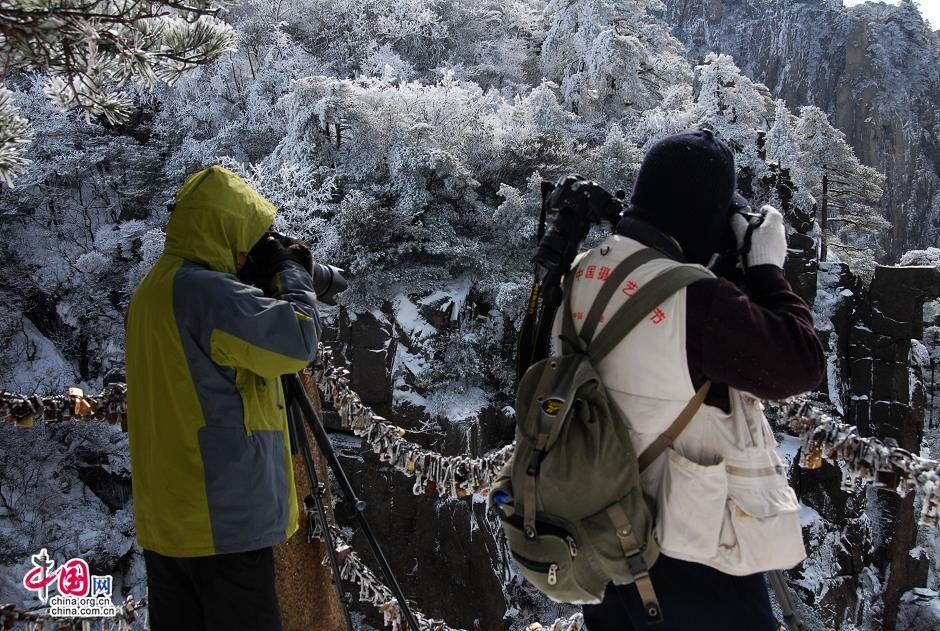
(299, 407)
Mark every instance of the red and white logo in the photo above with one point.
(80, 594)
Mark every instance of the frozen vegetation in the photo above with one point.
(406, 142)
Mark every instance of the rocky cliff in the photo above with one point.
(874, 68)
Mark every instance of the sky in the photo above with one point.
(930, 9)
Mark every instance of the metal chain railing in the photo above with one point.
(864, 459)
(456, 476)
(24, 410)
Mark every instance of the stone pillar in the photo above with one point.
(304, 585)
(802, 266)
(369, 346)
(884, 404)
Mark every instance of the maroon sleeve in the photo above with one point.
(762, 341)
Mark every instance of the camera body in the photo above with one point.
(731, 259)
(274, 247)
(577, 204)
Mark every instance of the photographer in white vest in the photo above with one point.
(725, 513)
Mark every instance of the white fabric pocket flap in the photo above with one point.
(763, 503)
(764, 529)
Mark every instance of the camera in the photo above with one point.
(274, 247)
(578, 204)
(730, 257)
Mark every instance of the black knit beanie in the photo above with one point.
(684, 188)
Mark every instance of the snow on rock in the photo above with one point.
(809, 517)
(410, 320)
(920, 610)
(48, 500)
(787, 449)
(450, 298)
(46, 371)
(829, 297)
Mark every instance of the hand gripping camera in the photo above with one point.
(275, 247)
(577, 204)
(731, 259)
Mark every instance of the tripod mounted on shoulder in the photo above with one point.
(299, 408)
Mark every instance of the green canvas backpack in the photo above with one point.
(570, 499)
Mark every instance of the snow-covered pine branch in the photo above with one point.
(89, 49)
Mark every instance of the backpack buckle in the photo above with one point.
(637, 565)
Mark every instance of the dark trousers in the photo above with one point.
(213, 593)
(693, 597)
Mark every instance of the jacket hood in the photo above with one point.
(217, 216)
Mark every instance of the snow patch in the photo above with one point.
(46, 370)
(410, 320)
(451, 297)
(787, 450)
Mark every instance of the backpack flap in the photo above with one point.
(547, 400)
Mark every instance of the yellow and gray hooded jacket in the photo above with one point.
(210, 454)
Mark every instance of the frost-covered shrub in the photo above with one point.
(404, 141)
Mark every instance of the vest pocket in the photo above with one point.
(763, 530)
(691, 507)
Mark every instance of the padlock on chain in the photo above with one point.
(811, 457)
(931, 505)
(886, 478)
(849, 483)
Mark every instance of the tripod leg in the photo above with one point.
(316, 497)
(295, 389)
(790, 618)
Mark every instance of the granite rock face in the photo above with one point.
(873, 68)
(866, 556)
(888, 401)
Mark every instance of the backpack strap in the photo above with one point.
(611, 285)
(635, 563)
(647, 298)
(665, 440)
(619, 274)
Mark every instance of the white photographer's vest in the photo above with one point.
(721, 491)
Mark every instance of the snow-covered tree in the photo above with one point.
(847, 192)
(779, 145)
(780, 151)
(611, 56)
(88, 50)
(734, 107)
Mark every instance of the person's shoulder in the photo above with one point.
(198, 283)
(705, 293)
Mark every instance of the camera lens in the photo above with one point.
(327, 282)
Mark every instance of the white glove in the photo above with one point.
(768, 241)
